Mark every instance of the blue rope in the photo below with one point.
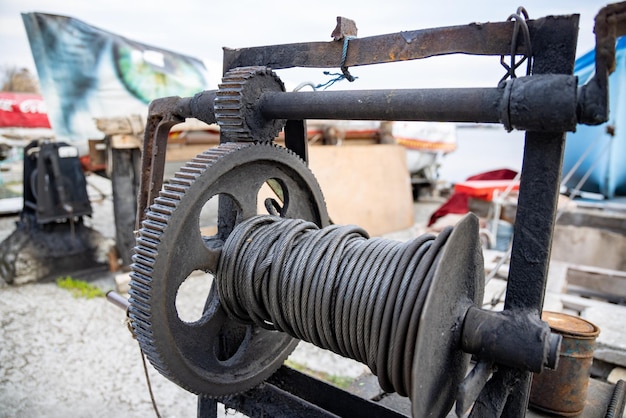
(345, 74)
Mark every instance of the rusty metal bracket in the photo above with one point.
(593, 104)
(162, 115)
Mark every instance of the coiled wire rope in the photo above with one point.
(333, 287)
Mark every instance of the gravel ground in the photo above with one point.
(65, 356)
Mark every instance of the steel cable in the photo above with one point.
(333, 287)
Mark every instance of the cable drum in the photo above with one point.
(333, 287)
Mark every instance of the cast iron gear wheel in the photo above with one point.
(215, 355)
(236, 105)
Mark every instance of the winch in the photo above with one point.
(410, 311)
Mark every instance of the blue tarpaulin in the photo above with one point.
(604, 146)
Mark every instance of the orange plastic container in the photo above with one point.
(484, 189)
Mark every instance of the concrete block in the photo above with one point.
(122, 281)
(618, 373)
(589, 246)
(611, 344)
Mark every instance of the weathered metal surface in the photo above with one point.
(345, 27)
(440, 365)
(251, 105)
(214, 355)
(475, 39)
(236, 105)
(327, 396)
(267, 400)
(610, 23)
(617, 403)
(543, 103)
(161, 117)
(117, 300)
(510, 338)
(564, 391)
(461, 105)
(554, 48)
(520, 103)
(472, 385)
(469, 105)
(200, 106)
(604, 400)
(296, 138)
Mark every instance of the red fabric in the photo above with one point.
(502, 174)
(22, 110)
(459, 202)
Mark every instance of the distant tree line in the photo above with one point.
(18, 80)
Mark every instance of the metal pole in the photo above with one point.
(541, 103)
(443, 105)
(554, 49)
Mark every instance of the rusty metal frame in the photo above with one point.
(554, 45)
(553, 48)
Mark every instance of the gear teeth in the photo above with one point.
(146, 251)
(156, 215)
(149, 244)
(158, 207)
(166, 203)
(188, 168)
(147, 232)
(181, 181)
(145, 293)
(142, 282)
(175, 188)
(142, 269)
(143, 260)
(154, 226)
(140, 301)
(196, 165)
(141, 325)
(172, 195)
(235, 102)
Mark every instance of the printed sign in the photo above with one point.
(22, 110)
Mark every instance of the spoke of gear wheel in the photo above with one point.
(214, 356)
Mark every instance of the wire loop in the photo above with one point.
(520, 17)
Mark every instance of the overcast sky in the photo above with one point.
(201, 28)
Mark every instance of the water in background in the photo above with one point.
(480, 149)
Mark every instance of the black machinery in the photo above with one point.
(411, 311)
(50, 238)
(54, 183)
